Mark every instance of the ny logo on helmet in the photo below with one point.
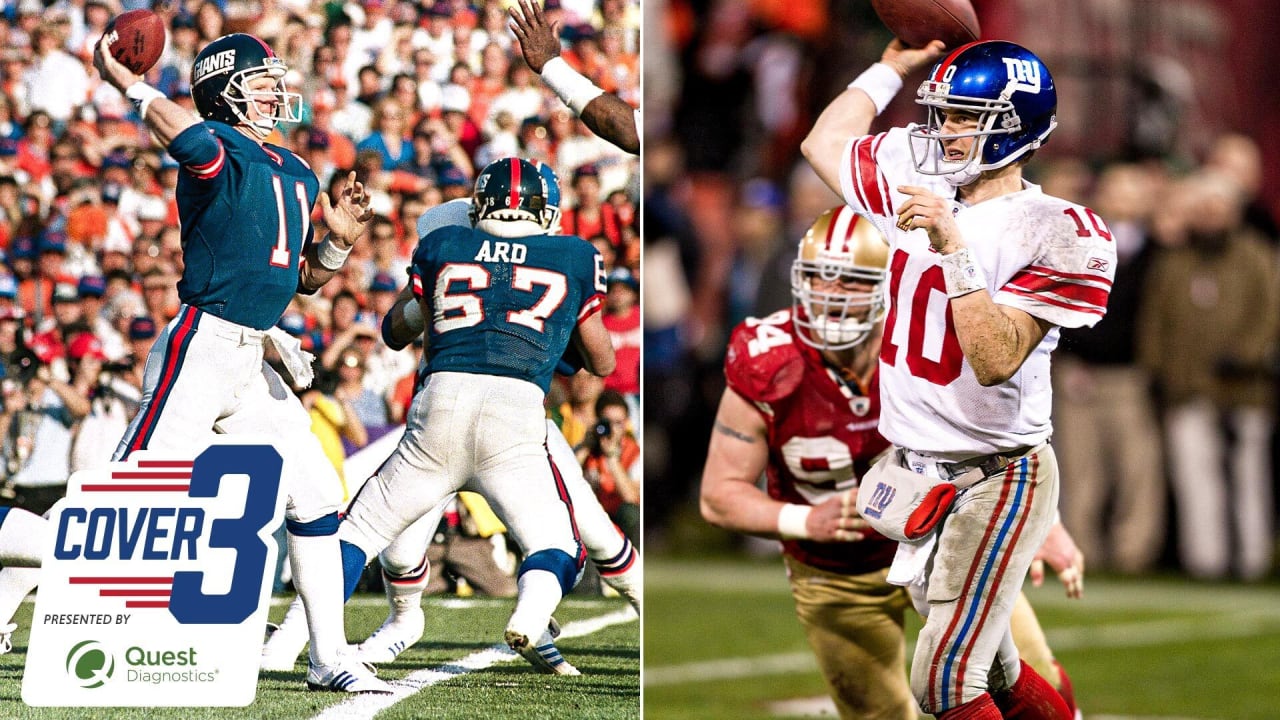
(1023, 75)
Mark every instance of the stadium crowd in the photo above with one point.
(1164, 412)
(416, 97)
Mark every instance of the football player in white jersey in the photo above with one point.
(984, 268)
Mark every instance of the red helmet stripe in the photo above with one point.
(946, 62)
(270, 52)
(831, 229)
(513, 201)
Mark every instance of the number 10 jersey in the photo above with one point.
(1046, 256)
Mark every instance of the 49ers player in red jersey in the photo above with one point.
(802, 405)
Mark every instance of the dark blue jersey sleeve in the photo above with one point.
(200, 151)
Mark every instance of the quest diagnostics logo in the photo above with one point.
(89, 664)
(165, 561)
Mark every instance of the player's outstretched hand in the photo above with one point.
(836, 519)
(923, 209)
(347, 217)
(109, 68)
(907, 60)
(1060, 552)
(539, 41)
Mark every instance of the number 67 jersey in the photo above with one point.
(1046, 256)
(504, 306)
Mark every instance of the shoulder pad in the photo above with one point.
(763, 362)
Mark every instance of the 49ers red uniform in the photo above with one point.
(821, 430)
(821, 433)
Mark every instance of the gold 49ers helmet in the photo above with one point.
(837, 280)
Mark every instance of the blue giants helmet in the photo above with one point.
(551, 216)
(220, 77)
(510, 190)
(1010, 91)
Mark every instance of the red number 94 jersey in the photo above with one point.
(822, 435)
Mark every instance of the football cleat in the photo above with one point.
(6, 637)
(349, 676)
(397, 634)
(543, 655)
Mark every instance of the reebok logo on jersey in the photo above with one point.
(1099, 264)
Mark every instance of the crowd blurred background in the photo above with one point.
(416, 97)
(1164, 413)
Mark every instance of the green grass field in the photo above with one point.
(600, 636)
(721, 641)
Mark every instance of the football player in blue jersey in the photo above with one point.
(248, 247)
(405, 570)
(503, 302)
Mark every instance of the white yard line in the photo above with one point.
(1130, 634)
(364, 707)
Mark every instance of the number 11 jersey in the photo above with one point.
(1040, 254)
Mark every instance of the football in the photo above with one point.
(139, 39)
(916, 22)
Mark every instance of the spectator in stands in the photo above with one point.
(160, 294)
(369, 406)
(55, 82)
(578, 413)
(388, 136)
(1217, 381)
(35, 292)
(610, 458)
(37, 448)
(1107, 435)
(142, 335)
(8, 293)
(590, 216)
(622, 320)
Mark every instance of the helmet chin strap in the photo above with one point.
(964, 175)
(261, 128)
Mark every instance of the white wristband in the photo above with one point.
(791, 521)
(571, 86)
(142, 94)
(412, 315)
(331, 256)
(880, 82)
(961, 274)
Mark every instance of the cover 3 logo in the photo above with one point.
(158, 547)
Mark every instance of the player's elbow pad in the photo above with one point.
(388, 334)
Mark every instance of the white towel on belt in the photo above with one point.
(911, 561)
(296, 360)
